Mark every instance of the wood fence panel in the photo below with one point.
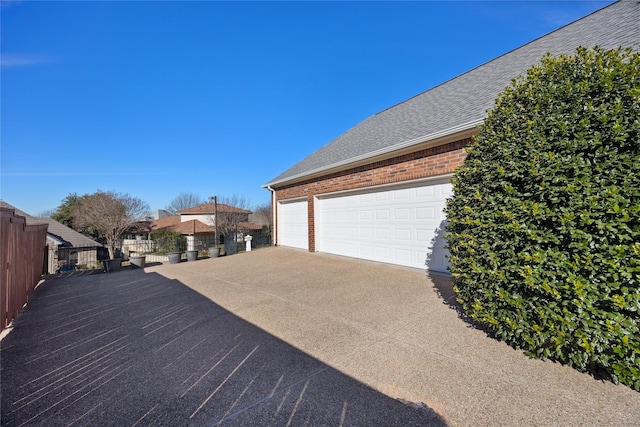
(22, 254)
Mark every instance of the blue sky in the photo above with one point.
(155, 98)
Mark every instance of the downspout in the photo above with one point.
(273, 214)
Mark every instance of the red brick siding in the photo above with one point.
(425, 163)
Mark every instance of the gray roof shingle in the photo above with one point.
(55, 229)
(461, 103)
(62, 232)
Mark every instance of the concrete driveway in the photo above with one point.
(278, 337)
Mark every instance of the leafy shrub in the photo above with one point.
(167, 241)
(544, 224)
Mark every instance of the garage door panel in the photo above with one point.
(366, 214)
(383, 234)
(395, 225)
(383, 253)
(403, 255)
(367, 250)
(366, 233)
(293, 224)
(381, 196)
(351, 232)
(426, 213)
(423, 236)
(401, 214)
(367, 197)
(401, 194)
(402, 235)
(382, 214)
(425, 192)
(351, 248)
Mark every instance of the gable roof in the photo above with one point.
(209, 209)
(168, 221)
(192, 226)
(62, 232)
(55, 230)
(174, 223)
(460, 104)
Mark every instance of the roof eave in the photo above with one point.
(455, 133)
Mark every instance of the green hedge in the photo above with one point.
(544, 223)
(168, 241)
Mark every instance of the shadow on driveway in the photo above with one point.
(136, 348)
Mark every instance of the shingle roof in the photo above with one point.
(168, 221)
(189, 227)
(248, 226)
(55, 229)
(65, 233)
(461, 103)
(192, 226)
(209, 208)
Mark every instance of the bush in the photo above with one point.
(167, 241)
(544, 224)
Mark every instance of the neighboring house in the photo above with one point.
(378, 191)
(68, 249)
(135, 235)
(197, 224)
(259, 219)
(162, 223)
(157, 214)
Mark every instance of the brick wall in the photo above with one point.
(434, 161)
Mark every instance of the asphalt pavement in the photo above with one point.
(278, 337)
(135, 348)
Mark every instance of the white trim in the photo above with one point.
(274, 218)
(293, 199)
(373, 188)
(397, 147)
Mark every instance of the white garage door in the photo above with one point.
(397, 225)
(293, 224)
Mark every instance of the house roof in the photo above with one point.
(65, 233)
(165, 222)
(192, 226)
(247, 226)
(57, 231)
(258, 219)
(461, 103)
(209, 208)
(157, 214)
(174, 223)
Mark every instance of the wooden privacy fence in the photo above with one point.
(23, 253)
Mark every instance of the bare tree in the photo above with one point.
(264, 213)
(48, 213)
(232, 212)
(110, 213)
(184, 201)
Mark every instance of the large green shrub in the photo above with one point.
(167, 241)
(544, 223)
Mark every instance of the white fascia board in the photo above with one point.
(55, 240)
(382, 151)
